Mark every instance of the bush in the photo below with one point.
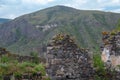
(40, 68)
(98, 63)
(26, 64)
(102, 73)
(4, 59)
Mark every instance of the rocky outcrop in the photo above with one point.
(46, 27)
(66, 61)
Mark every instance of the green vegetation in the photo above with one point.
(41, 68)
(20, 68)
(35, 56)
(98, 63)
(85, 26)
(9, 65)
(102, 73)
(100, 68)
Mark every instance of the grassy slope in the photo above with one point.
(85, 26)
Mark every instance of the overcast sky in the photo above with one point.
(15, 8)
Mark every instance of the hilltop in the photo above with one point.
(31, 32)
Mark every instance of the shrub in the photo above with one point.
(26, 64)
(25, 67)
(102, 73)
(97, 62)
(40, 68)
(99, 65)
(4, 59)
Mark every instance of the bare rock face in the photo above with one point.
(66, 61)
(111, 48)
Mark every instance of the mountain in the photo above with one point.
(2, 20)
(31, 32)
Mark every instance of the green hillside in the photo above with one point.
(31, 32)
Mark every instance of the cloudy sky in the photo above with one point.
(15, 8)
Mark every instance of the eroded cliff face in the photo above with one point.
(111, 48)
(66, 61)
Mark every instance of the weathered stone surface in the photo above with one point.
(111, 51)
(68, 62)
(111, 54)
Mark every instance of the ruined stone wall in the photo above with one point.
(111, 48)
(66, 61)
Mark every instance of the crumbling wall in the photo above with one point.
(111, 48)
(66, 61)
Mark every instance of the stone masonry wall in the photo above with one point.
(66, 61)
(111, 48)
